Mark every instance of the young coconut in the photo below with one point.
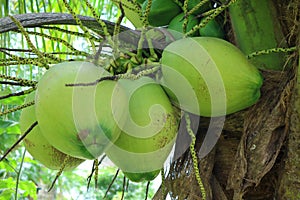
(193, 3)
(161, 11)
(78, 120)
(209, 76)
(212, 29)
(149, 132)
(37, 145)
(176, 25)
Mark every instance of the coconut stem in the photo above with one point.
(79, 22)
(123, 188)
(119, 76)
(65, 162)
(194, 155)
(96, 172)
(111, 183)
(272, 50)
(16, 108)
(89, 178)
(40, 55)
(147, 190)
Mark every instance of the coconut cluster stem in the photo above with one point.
(65, 162)
(21, 81)
(117, 77)
(145, 23)
(99, 20)
(78, 21)
(111, 183)
(201, 3)
(272, 50)
(89, 178)
(216, 12)
(59, 40)
(147, 190)
(123, 188)
(194, 155)
(17, 94)
(185, 10)
(151, 48)
(15, 58)
(30, 44)
(17, 108)
(26, 61)
(96, 172)
(43, 59)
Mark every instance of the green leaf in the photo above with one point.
(6, 167)
(14, 129)
(14, 100)
(7, 189)
(29, 188)
(7, 183)
(6, 123)
(6, 194)
(9, 127)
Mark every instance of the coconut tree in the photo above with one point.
(249, 153)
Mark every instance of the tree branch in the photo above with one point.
(28, 20)
(39, 19)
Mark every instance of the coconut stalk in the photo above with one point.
(131, 10)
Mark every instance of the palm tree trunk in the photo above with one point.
(257, 155)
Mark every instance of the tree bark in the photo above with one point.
(289, 182)
(240, 160)
(258, 157)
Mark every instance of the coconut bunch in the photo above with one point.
(132, 112)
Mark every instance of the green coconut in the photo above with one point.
(193, 3)
(176, 25)
(149, 132)
(37, 145)
(161, 11)
(209, 76)
(81, 121)
(140, 177)
(212, 29)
